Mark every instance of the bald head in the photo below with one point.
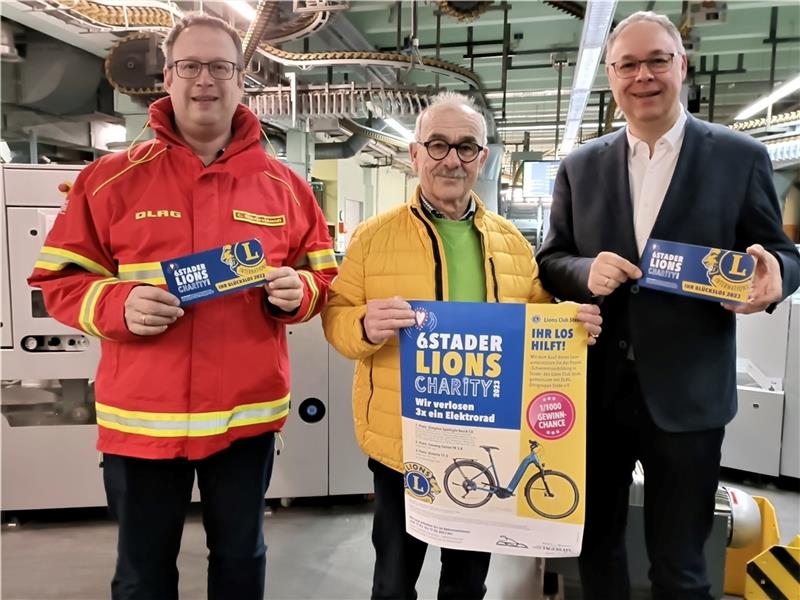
(450, 105)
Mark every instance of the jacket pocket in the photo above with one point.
(371, 391)
(495, 285)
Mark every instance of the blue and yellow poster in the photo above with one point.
(494, 426)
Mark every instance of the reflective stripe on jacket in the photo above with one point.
(221, 371)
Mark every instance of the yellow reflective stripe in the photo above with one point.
(191, 424)
(284, 182)
(145, 272)
(322, 259)
(86, 315)
(312, 285)
(58, 258)
(49, 266)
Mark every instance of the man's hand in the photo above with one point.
(589, 315)
(767, 283)
(609, 271)
(150, 310)
(284, 288)
(384, 318)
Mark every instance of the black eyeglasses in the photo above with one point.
(218, 69)
(466, 151)
(627, 68)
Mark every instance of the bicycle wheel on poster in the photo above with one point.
(468, 483)
(552, 494)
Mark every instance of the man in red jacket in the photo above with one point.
(203, 388)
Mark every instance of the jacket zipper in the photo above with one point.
(437, 257)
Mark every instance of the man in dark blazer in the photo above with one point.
(662, 379)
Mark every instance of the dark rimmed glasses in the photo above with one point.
(218, 69)
(658, 63)
(439, 149)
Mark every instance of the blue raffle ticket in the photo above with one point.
(212, 273)
(697, 271)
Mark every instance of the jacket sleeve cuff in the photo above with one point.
(107, 319)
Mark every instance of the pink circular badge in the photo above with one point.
(551, 415)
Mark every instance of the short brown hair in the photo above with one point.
(193, 19)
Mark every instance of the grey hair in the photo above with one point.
(649, 17)
(453, 100)
(198, 19)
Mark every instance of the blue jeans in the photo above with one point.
(149, 499)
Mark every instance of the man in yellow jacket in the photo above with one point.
(441, 245)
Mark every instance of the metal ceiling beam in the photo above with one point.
(524, 52)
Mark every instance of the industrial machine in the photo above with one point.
(48, 432)
(763, 437)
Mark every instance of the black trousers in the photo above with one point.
(681, 474)
(399, 556)
(149, 499)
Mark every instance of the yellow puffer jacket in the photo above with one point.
(399, 253)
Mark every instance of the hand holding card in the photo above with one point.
(697, 271)
(208, 274)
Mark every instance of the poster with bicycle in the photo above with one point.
(494, 426)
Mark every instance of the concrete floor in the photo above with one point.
(318, 549)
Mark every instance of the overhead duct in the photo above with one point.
(488, 183)
(8, 51)
(359, 136)
(58, 79)
(374, 134)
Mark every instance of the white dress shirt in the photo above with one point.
(650, 176)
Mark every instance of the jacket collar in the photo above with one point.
(246, 132)
(416, 201)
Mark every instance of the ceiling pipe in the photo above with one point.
(360, 135)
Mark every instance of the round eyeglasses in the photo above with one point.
(218, 69)
(466, 151)
(659, 63)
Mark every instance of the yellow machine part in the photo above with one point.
(775, 573)
(736, 559)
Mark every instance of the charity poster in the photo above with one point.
(494, 426)
(697, 271)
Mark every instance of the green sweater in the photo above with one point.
(464, 257)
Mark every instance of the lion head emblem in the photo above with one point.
(711, 262)
(229, 258)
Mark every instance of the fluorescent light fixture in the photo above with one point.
(400, 129)
(243, 8)
(527, 94)
(787, 88)
(599, 14)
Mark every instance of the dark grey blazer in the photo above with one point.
(721, 195)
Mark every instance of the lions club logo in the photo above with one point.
(725, 266)
(244, 258)
(420, 482)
